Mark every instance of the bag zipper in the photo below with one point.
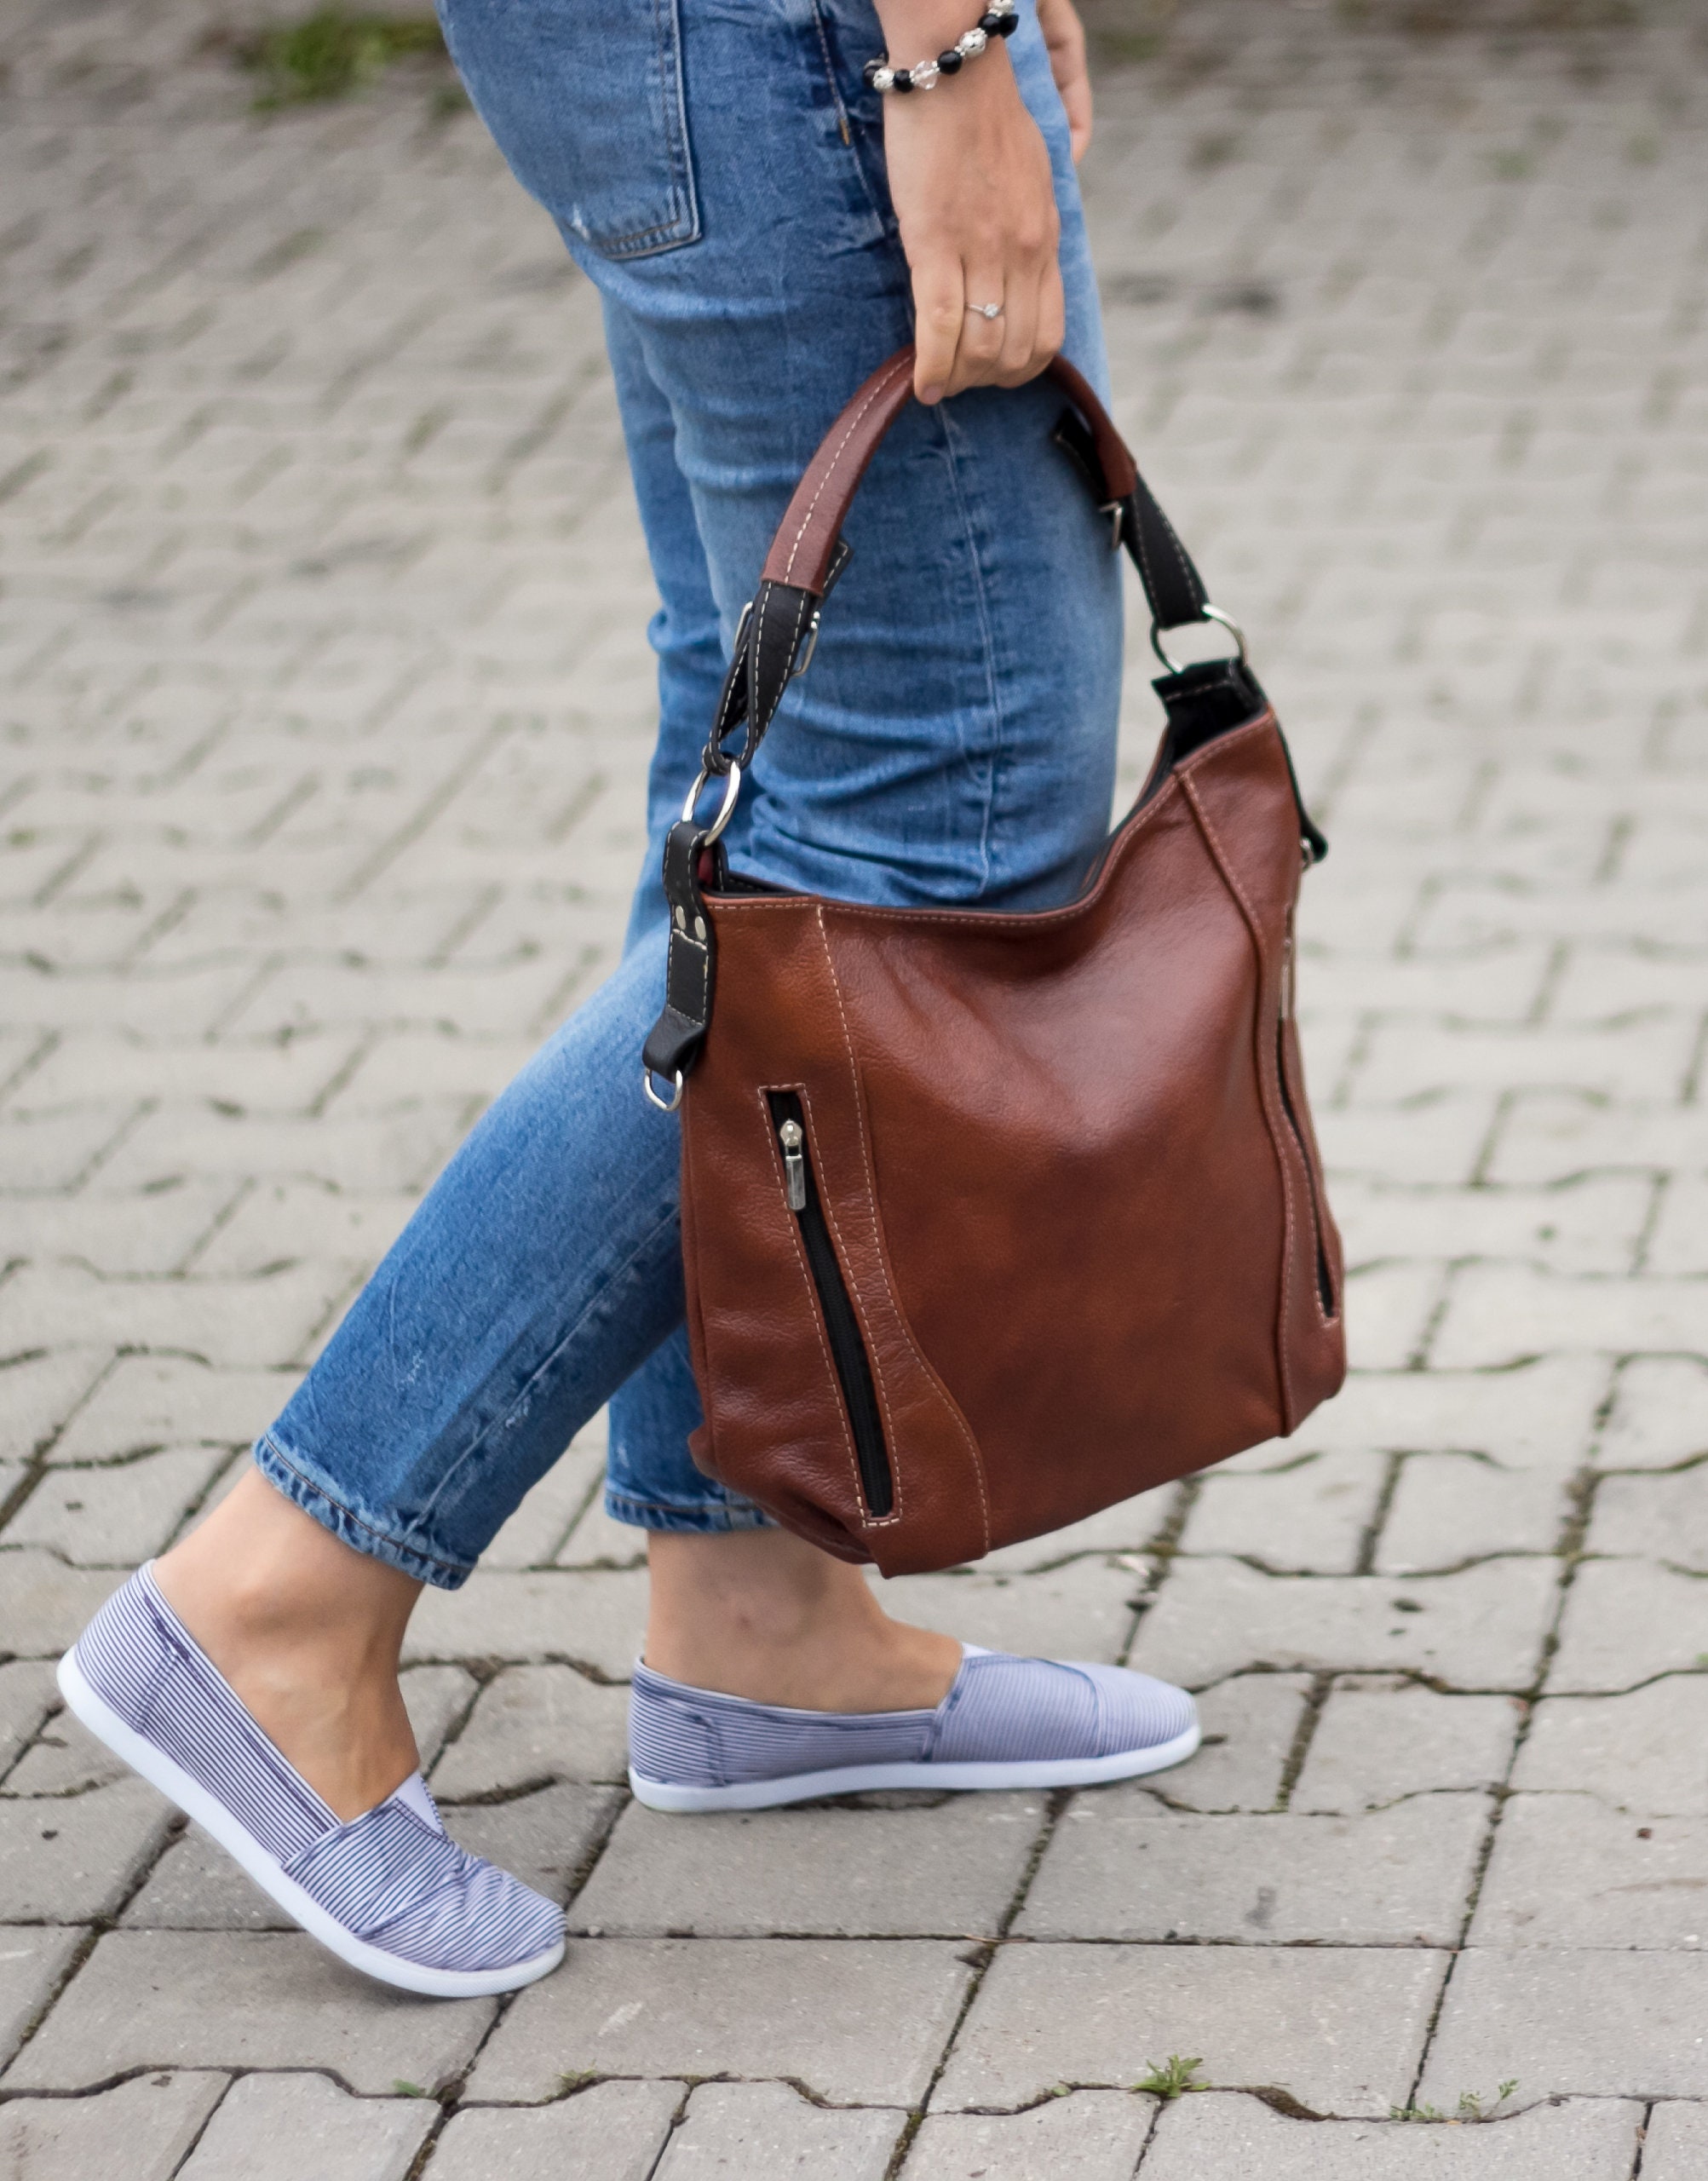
(1325, 1277)
(848, 1349)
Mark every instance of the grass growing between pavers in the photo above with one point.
(332, 53)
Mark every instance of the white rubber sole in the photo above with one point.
(862, 1778)
(269, 1875)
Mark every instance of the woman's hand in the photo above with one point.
(970, 178)
(1065, 37)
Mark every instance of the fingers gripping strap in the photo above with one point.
(801, 552)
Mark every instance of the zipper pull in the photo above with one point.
(1287, 968)
(790, 1135)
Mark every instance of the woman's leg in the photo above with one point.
(954, 741)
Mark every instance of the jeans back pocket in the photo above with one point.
(584, 100)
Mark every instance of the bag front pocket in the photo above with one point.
(584, 100)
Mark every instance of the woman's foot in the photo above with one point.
(388, 1892)
(1005, 1722)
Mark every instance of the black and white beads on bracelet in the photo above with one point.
(998, 20)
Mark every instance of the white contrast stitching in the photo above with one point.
(882, 388)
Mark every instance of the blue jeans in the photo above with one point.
(716, 167)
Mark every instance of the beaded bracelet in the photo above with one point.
(998, 20)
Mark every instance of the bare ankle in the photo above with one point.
(308, 1634)
(761, 1614)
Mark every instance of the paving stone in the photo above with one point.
(612, 2132)
(436, 1698)
(1676, 2142)
(1585, 1225)
(39, 1392)
(64, 1759)
(1447, 1508)
(592, 1617)
(1436, 1136)
(1676, 1246)
(533, 1535)
(949, 1871)
(1625, 1621)
(28, 1693)
(1130, 1526)
(1568, 1871)
(45, 1605)
(33, 1958)
(767, 2127)
(1378, 1738)
(1498, 1314)
(1340, 2028)
(598, 1541)
(1390, 1310)
(1659, 1413)
(1120, 1865)
(1539, 1414)
(1479, 1628)
(544, 1837)
(117, 1516)
(1590, 2023)
(303, 1218)
(1580, 2139)
(140, 2129)
(134, 1234)
(533, 1723)
(1249, 1725)
(856, 2021)
(238, 1325)
(65, 1858)
(147, 1401)
(273, 2127)
(1310, 1512)
(1082, 1611)
(1654, 1517)
(242, 1999)
(1092, 2135)
(1646, 1751)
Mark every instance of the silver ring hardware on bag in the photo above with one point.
(731, 789)
(664, 1106)
(1205, 613)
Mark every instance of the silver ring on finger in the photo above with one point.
(986, 310)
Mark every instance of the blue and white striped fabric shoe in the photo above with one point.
(1006, 1722)
(390, 1892)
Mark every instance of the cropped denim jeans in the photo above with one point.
(716, 167)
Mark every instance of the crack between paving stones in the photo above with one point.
(1581, 1497)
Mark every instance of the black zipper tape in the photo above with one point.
(841, 1328)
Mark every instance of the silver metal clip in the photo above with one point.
(792, 1138)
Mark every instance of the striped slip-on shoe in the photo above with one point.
(390, 1892)
(1006, 1722)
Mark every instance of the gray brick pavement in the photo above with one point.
(325, 714)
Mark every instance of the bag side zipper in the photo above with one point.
(847, 1348)
(1325, 1277)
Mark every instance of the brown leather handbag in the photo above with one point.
(989, 1220)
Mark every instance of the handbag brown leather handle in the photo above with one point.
(807, 553)
(781, 622)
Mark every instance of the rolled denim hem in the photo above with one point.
(312, 1496)
(704, 1516)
